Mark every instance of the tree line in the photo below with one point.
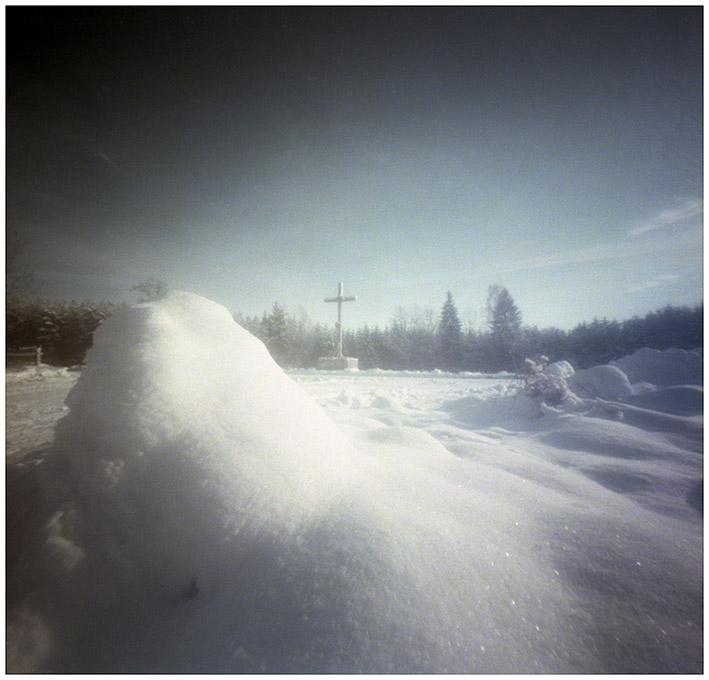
(64, 330)
(423, 341)
(418, 340)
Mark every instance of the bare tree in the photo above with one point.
(151, 289)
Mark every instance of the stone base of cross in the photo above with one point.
(339, 362)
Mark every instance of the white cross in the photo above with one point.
(340, 299)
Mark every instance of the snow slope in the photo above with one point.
(200, 511)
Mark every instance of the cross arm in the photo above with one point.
(351, 298)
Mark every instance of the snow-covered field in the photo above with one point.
(200, 511)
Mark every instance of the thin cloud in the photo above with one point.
(686, 245)
(687, 241)
(658, 281)
(685, 211)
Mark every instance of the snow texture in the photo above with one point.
(638, 373)
(561, 369)
(200, 511)
(606, 382)
(669, 367)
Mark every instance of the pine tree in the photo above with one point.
(492, 293)
(450, 336)
(277, 334)
(505, 324)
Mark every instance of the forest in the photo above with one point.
(419, 340)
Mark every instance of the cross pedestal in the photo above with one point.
(339, 362)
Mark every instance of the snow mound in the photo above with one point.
(663, 368)
(605, 382)
(560, 369)
(639, 373)
(157, 400)
(184, 445)
(508, 409)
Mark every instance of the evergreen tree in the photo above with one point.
(422, 338)
(450, 336)
(505, 324)
(492, 293)
(277, 334)
(64, 330)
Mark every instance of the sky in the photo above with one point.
(263, 154)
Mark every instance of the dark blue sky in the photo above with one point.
(255, 155)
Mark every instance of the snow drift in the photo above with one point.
(663, 368)
(204, 514)
(186, 452)
(637, 373)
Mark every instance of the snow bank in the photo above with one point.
(663, 368)
(180, 383)
(639, 373)
(605, 382)
(182, 436)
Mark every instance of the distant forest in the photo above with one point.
(418, 341)
(424, 341)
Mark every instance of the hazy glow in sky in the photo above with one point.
(262, 155)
